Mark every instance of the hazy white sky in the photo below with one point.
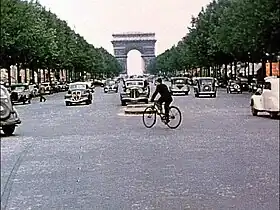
(97, 20)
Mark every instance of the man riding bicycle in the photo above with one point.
(165, 97)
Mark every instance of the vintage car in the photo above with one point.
(254, 85)
(20, 93)
(34, 90)
(179, 85)
(267, 98)
(233, 87)
(48, 89)
(78, 93)
(111, 86)
(135, 91)
(205, 86)
(244, 83)
(8, 115)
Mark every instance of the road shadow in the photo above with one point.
(268, 117)
(3, 136)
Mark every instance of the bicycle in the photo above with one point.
(152, 111)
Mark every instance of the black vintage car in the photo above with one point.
(20, 93)
(135, 91)
(205, 86)
(234, 87)
(78, 93)
(8, 116)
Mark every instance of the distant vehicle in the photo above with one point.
(78, 93)
(20, 93)
(266, 99)
(34, 90)
(48, 89)
(135, 91)
(111, 86)
(233, 87)
(179, 85)
(205, 86)
(244, 83)
(98, 82)
(8, 115)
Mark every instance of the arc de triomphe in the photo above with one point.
(125, 42)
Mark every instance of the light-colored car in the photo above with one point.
(135, 91)
(8, 115)
(234, 87)
(266, 99)
(111, 86)
(47, 88)
(34, 90)
(205, 86)
(179, 85)
(78, 93)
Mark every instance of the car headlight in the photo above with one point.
(127, 91)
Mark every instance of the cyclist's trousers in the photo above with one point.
(167, 103)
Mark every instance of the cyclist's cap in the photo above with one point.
(159, 80)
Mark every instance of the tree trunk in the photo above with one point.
(25, 75)
(18, 73)
(235, 69)
(9, 76)
(225, 76)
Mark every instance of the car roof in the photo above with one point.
(179, 78)
(205, 78)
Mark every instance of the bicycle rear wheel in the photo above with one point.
(149, 117)
(175, 117)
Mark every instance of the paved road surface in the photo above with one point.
(93, 157)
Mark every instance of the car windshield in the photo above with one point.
(133, 83)
(179, 81)
(206, 82)
(111, 82)
(77, 86)
(18, 88)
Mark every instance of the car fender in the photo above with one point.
(257, 102)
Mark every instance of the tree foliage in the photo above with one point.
(223, 32)
(36, 38)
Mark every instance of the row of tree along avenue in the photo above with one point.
(36, 39)
(227, 33)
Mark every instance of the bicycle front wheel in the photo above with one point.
(175, 117)
(149, 116)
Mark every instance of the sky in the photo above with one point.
(97, 20)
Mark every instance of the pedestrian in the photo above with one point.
(41, 93)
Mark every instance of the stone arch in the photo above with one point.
(143, 42)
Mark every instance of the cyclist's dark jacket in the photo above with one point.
(162, 89)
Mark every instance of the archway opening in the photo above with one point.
(135, 63)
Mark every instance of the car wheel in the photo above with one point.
(273, 115)
(254, 111)
(67, 103)
(8, 129)
(123, 103)
(186, 93)
(214, 95)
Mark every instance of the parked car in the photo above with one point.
(111, 86)
(244, 83)
(48, 89)
(20, 93)
(204, 86)
(78, 93)
(34, 90)
(179, 85)
(135, 91)
(8, 115)
(267, 98)
(233, 87)
(254, 85)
